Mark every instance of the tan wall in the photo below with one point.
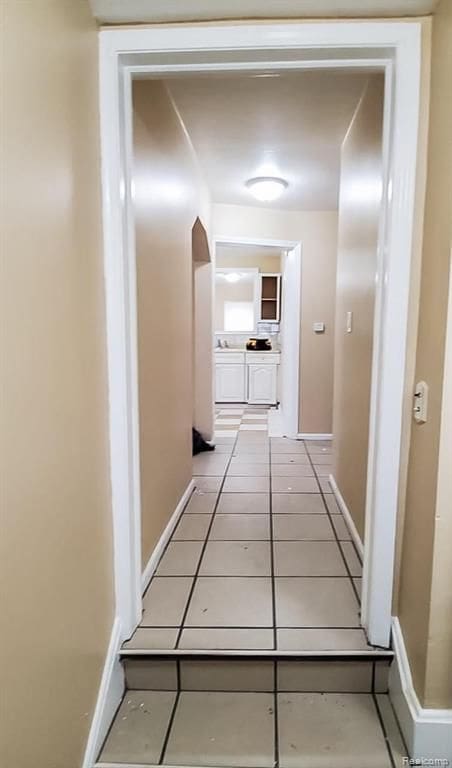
(317, 231)
(359, 212)
(167, 201)
(421, 631)
(237, 257)
(56, 548)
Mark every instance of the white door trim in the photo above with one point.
(394, 47)
(290, 421)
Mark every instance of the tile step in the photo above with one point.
(252, 729)
(337, 674)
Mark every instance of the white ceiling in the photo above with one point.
(290, 126)
(152, 11)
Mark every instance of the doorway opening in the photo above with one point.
(264, 50)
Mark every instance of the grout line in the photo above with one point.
(275, 715)
(209, 528)
(383, 728)
(272, 554)
(169, 728)
(322, 493)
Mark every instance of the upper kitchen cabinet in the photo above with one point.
(270, 297)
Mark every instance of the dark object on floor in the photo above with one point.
(199, 444)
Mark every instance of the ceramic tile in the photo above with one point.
(289, 458)
(351, 557)
(322, 640)
(291, 448)
(294, 485)
(244, 503)
(395, 739)
(340, 526)
(226, 639)
(231, 411)
(255, 416)
(150, 674)
(322, 472)
(139, 728)
(314, 602)
(227, 675)
(330, 730)
(192, 528)
(152, 639)
(240, 469)
(319, 677)
(253, 427)
(229, 421)
(246, 485)
(316, 450)
(292, 470)
(240, 527)
(297, 504)
(319, 459)
(165, 600)
(358, 585)
(381, 680)
(180, 559)
(233, 602)
(222, 729)
(325, 485)
(201, 504)
(236, 558)
(206, 464)
(224, 433)
(251, 458)
(251, 449)
(308, 558)
(332, 504)
(223, 449)
(208, 484)
(302, 527)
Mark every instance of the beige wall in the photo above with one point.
(56, 548)
(238, 257)
(167, 201)
(317, 231)
(423, 630)
(359, 212)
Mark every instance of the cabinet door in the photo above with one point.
(262, 383)
(230, 383)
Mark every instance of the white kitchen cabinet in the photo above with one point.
(230, 382)
(262, 383)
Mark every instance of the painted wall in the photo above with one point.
(56, 539)
(167, 202)
(240, 257)
(359, 212)
(424, 607)
(317, 231)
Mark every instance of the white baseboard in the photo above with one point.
(314, 436)
(348, 518)
(427, 732)
(111, 691)
(165, 537)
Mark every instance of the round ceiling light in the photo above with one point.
(266, 188)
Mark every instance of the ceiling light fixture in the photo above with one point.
(266, 188)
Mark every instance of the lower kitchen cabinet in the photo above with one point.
(262, 383)
(230, 382)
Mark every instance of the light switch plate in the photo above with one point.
(318, 327)
(349, 322)
(420, 402)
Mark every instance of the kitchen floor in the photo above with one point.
(261, 559)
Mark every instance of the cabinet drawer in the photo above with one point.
(263, 358)
(229, 357)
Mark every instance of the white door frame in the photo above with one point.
(395, 48)
(291, 417)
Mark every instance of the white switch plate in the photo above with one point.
(349, 322)
(420, 402)
(318, 327)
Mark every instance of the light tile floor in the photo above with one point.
(255, 730)
(262, 558)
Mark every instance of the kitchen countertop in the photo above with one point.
(248, 351)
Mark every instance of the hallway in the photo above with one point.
(250, 651)
(261, 559)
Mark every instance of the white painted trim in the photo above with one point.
(427, 732)
(111, 690)
(314, 436)
(394, 47)
(347, 515)
(165, 537)
(290, 353)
